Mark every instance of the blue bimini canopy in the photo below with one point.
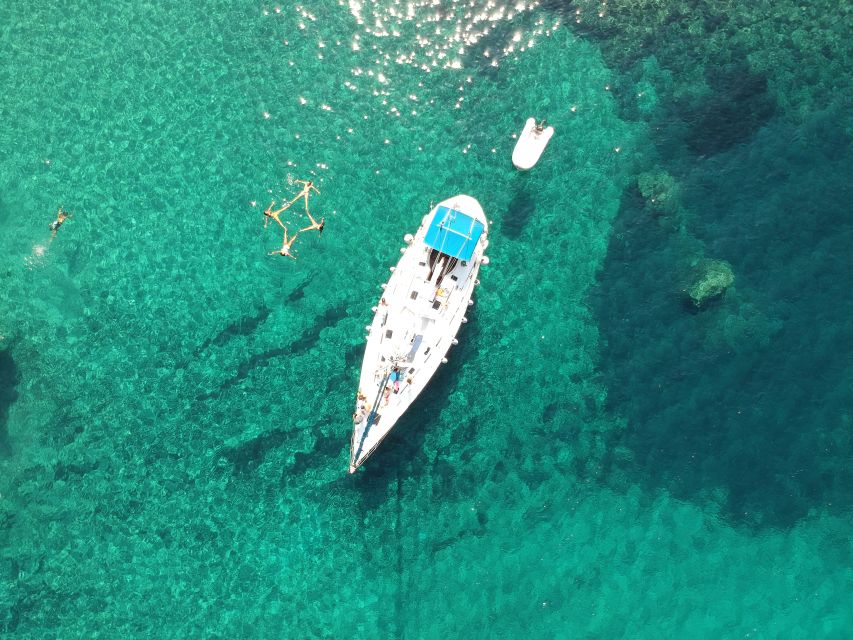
(454, 233)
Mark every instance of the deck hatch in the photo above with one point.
(416, 344)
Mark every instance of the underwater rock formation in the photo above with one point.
(711, 279)
(660, 191)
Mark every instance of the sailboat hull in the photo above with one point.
(422, 307)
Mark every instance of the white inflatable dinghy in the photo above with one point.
(531, 143)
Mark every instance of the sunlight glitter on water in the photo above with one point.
(443, 35)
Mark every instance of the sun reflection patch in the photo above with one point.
(443, 33)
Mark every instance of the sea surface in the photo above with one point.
(603, 456)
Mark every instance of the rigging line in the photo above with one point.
(371, 415)
(444, 229)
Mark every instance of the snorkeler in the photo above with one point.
(285, 246)
(269, 213)
(61, 216)
(318, 226)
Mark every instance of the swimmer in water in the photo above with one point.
(269, 213)
(286, 245)
(307, 186)
(318, 226)
(61, 216)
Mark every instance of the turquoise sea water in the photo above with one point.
(600, 458)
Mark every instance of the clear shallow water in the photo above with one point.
(596, 459)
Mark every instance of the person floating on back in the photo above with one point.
(269, 213)
(286, 245)
(61, 216)
(307, 186)
(318, 226)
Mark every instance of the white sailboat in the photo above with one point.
(416, 321)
